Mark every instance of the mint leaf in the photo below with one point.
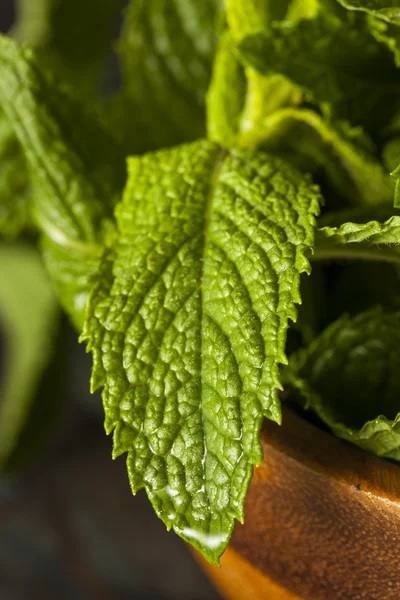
(76, 169)
(335, 59)
(28, 329)
(187, 323)
(70, 38)
(356, 240)
(249, 110)
(388, 10)
(166, 50)
(351, 381)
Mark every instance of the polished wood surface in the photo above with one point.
(322, 522)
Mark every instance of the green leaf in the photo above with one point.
(28, 310)
(239, 101)
(383, 19)
(360, 241)
(167, 49)
(261, 111)
(388, 10)
(76, 169)
(350, 165)
(334, 58)
(187, 324)
(71, 38)
(351, 380)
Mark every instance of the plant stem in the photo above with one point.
(355, 252)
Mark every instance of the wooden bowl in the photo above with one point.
(322, 522)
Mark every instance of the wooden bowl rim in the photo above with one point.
(332, 457)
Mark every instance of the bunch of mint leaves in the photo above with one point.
(246, 166)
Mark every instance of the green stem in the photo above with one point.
(355, 252)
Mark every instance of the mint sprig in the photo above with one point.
(184, 277)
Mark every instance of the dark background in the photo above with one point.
(70, 528)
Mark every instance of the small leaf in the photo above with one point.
(351, 381)
(187, 324)
(28, 311)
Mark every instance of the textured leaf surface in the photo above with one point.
(76, 170)
(167, 48)
(28, 310)
(187, 324)
(335, 59)
(351, 379)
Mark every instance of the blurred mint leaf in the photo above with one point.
(351, 380)
(187, 323)
(71, 38)
(76, 169)
(166, 49)
(28, 311)
(334, 58)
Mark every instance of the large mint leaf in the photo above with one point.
(187, 324)
(352, 381)
(28, 311)
(76, 169)
(335, 59)
(167, 50)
